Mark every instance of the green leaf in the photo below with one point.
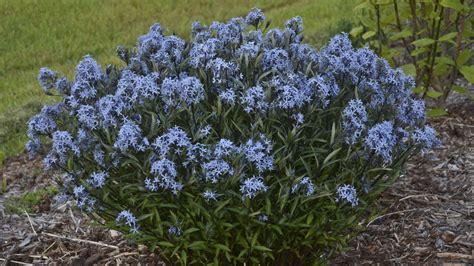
(454, 4)
(332, 154)
(165, 244)
(418, 89)
(468, 73)
(433, 94)
(463, 57)
(448, 36)
(423, 42)
(460, 89)
(222, 247)
(403, 34)
(197, 245)
(356, 31)
(262, 248)
(409, 69)
(368, 34)
(418, 51)
(436, 112)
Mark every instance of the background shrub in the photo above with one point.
(242, 145)
(431, 40)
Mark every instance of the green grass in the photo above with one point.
(57, 33)
(29, 199)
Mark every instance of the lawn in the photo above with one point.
(57, 33)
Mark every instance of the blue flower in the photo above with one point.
(322, 89)
(205, 131)
(88, 73)
(250, 49)
(254, 100)
(97, 179)
(175, 231)
(411, 111)
(348, 193)
(63, 144)
(83, 200)
(227, 96)
(299, 118)
(354, 117)
(250, 187)
(170, 51)
(202, 52)
(276, 59)
(426, 137)
(255, 17)
(63, 86)
(290, 97)
(47, 79)
(188, 89)
(258, 152)
(40, 124)
(304, 185)
(151, 41)
(295, 24)
(381, 140)
(127, 218)
(263, 218)
(191, 90)
(225, 148)
(130, 137)
(88, 117)
(210, 195)
(216, 169)
(165, 174)
(110, 110)
(174, 136)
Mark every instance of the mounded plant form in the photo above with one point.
(243, 144)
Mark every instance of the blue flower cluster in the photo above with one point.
(127, 218)
(354, 118)
(347, 193)
(381, 140)
(236, 108)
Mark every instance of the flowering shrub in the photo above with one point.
(241, 145)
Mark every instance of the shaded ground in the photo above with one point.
(428, 218)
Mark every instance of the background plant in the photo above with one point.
(431, 40)
(242, 145)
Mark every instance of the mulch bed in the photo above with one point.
(428, 215)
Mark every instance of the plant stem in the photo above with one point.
(399, 26)
(414, 33)
(379, 31)
(433, 51)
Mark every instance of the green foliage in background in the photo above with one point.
(29, 200)
(59, 33)
(430, 39)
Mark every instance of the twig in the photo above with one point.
(454, 255)
(82, 241)
(31, 224)
(124, 254)
(388, 214)
(17, 262)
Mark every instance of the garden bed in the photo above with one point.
(427, 215)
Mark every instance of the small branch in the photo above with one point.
(17, 262)
(81, 241)
(388, 214)
(433, 51)
(379, 30)
(31, 223)
(454, 255)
